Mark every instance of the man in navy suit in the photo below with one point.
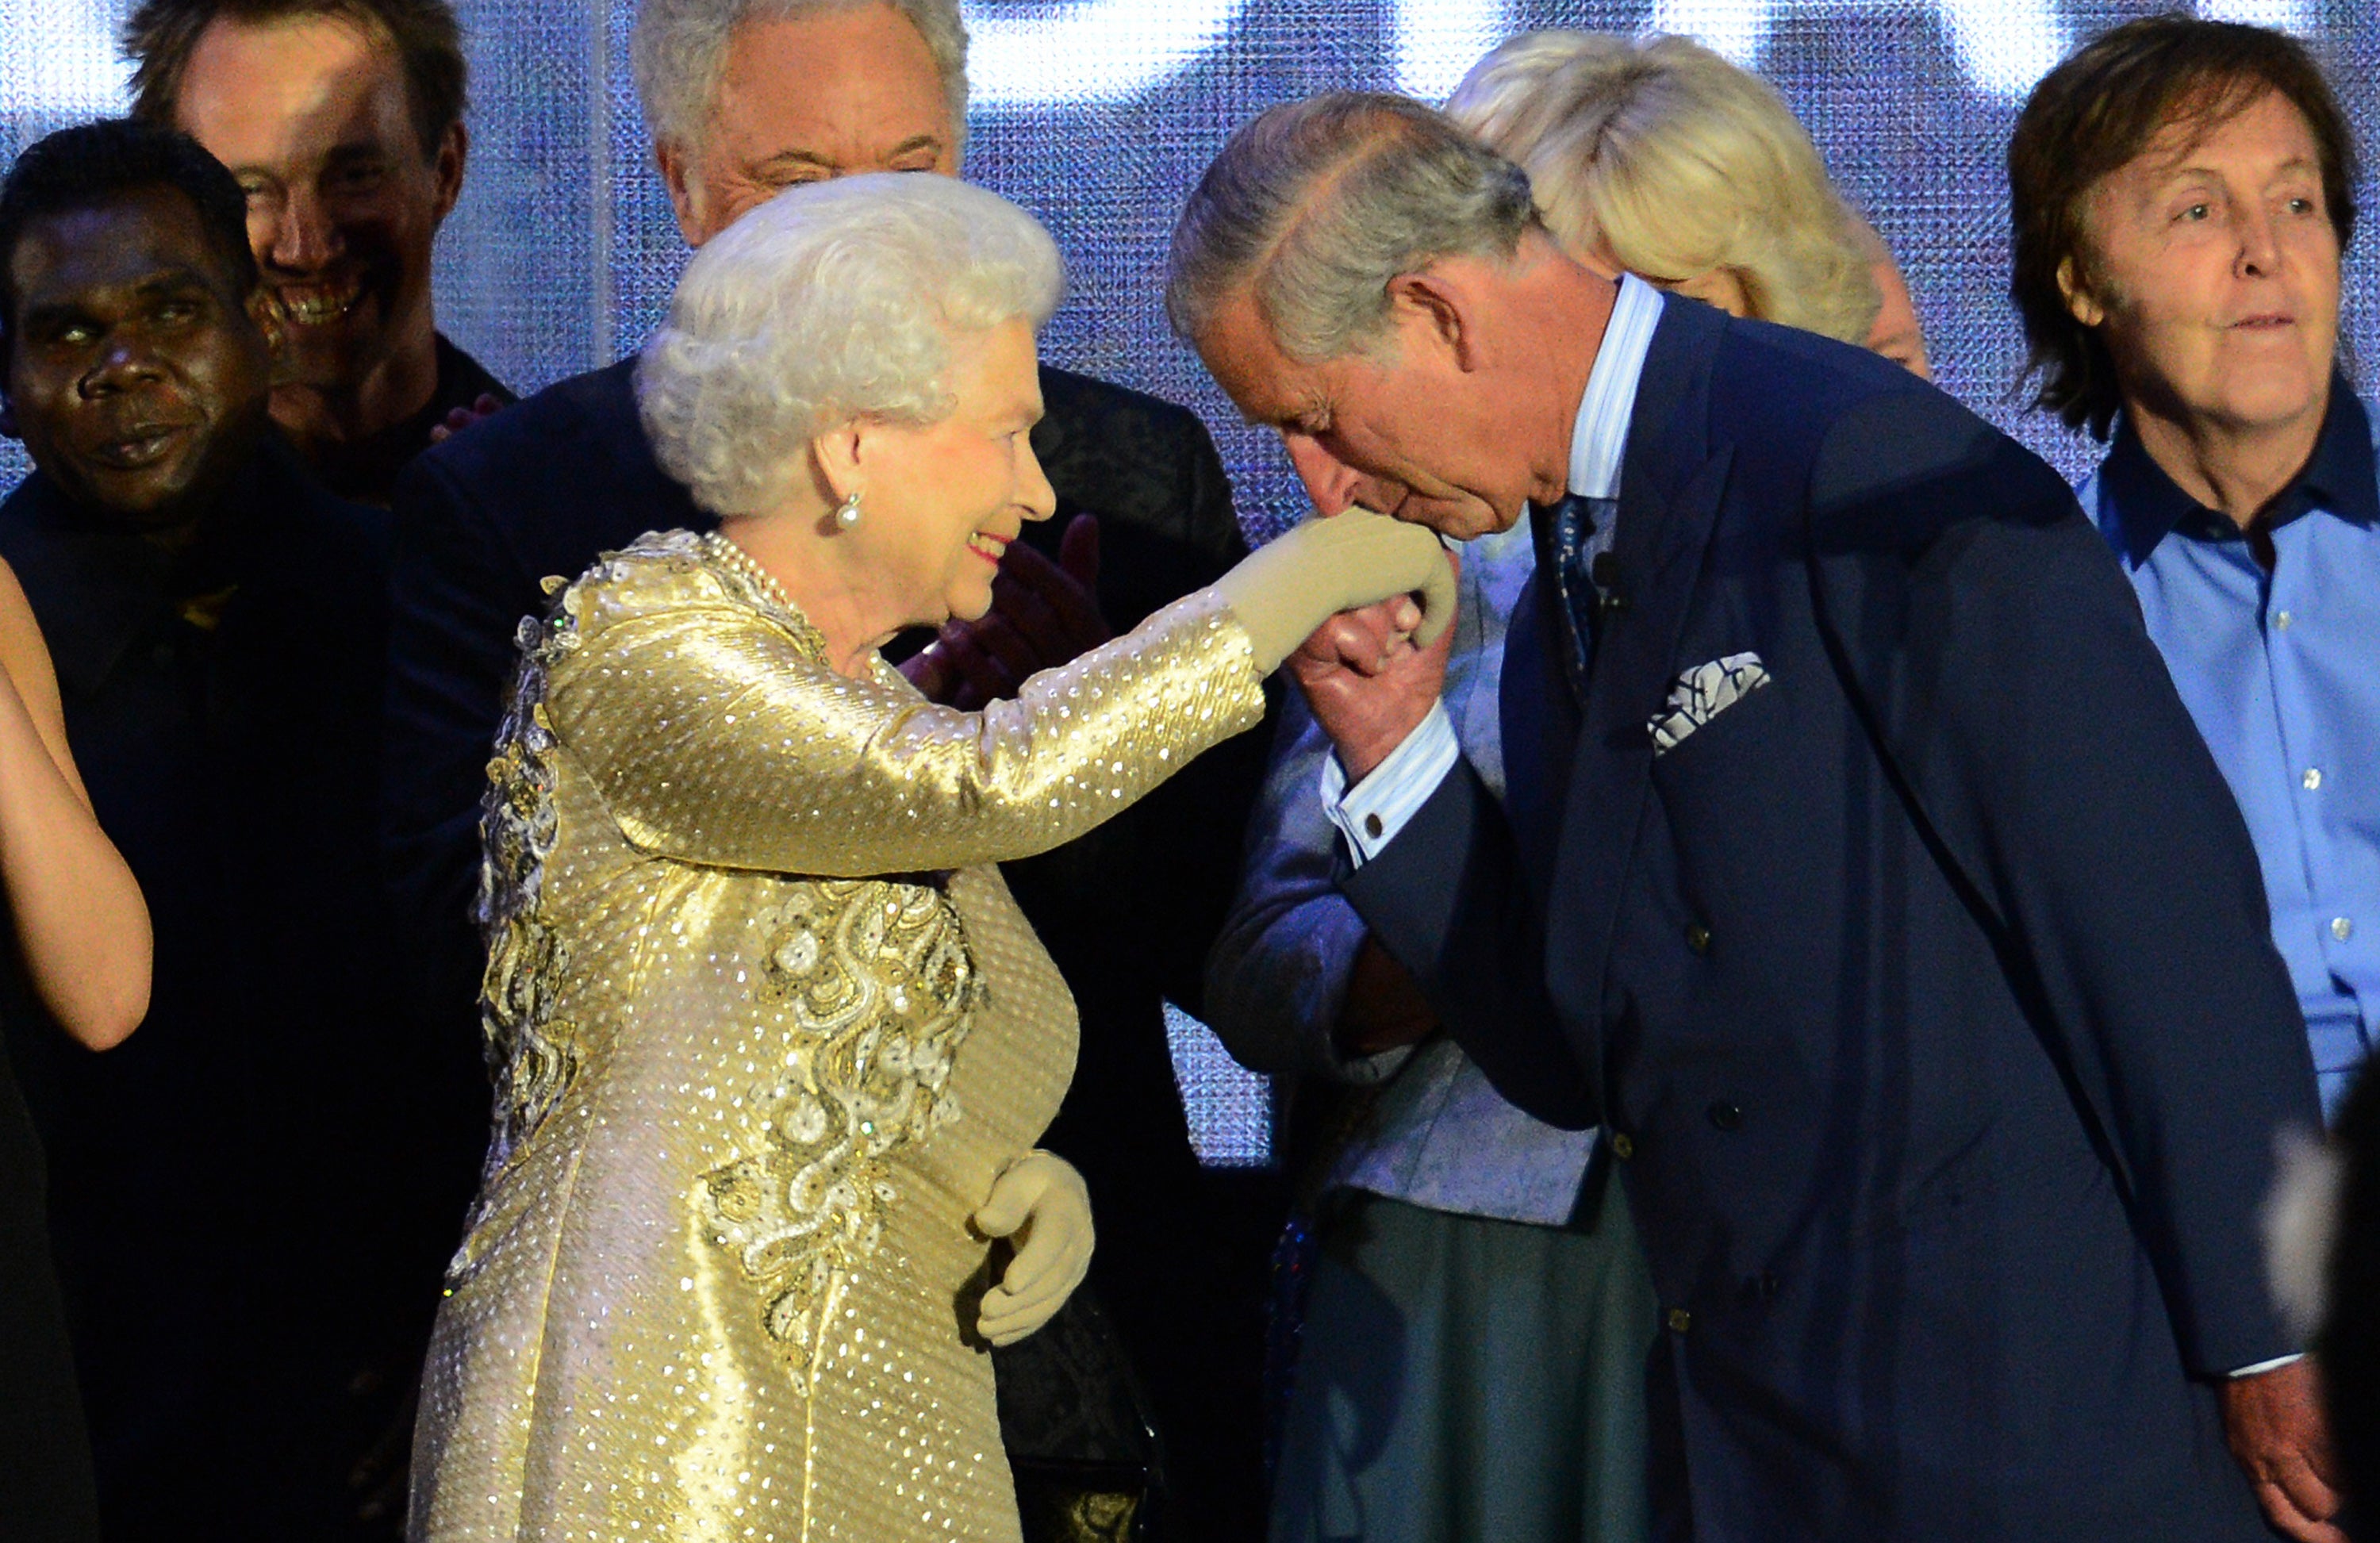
(1859, 868)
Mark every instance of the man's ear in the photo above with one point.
(2081, 303)
(454, 149)
(1440, 309)
(685, 191)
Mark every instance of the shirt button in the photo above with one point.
(2312, 778)
(2283, 620)
(1372, 826)
(1698, 938)
(2341, 929)
(1681, 1321)
(1622, 1148)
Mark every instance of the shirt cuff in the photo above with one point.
(1370, 814)
(2275, 1364)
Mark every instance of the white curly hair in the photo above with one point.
(834, 301)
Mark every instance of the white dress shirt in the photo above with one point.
(1370, 814)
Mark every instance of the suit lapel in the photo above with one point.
(1672, 483)
(1538, 720)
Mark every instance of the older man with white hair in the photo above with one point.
(746, 98)
(1941, 1066)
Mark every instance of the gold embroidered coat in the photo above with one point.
(767, 1024)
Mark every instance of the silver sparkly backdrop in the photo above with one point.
(1097, 113)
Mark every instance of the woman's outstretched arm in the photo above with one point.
(79, 920)
(717, 738)
(716, 741)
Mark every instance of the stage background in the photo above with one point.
(1097, 114)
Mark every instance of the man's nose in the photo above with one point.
(1331, 483)
(303, 238)
(124, 364)
(2260, 250)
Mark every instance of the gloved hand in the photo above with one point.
(1322, 565)
(1039, 1200)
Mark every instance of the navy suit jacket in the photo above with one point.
(1926, 990)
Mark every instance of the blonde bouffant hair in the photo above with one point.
(1663, 156)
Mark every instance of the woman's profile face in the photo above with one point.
(940, 504)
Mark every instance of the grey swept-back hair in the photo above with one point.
(679, 51)
(830, 303)
(1320, 204)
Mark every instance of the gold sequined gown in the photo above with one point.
(767, 1025)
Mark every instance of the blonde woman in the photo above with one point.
(1656, 156)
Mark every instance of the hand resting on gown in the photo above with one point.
(1038, 1200)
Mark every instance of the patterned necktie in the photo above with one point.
(1576, 538)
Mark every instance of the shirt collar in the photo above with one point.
(98, 587)
(2338, 477)
(1599, 436)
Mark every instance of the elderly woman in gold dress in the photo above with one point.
(774, 1043)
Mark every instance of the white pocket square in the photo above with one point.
(1701, 695)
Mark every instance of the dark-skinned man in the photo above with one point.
(247, 1278)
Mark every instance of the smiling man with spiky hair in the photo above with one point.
(343, 120)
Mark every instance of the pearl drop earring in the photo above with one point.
(847, 514)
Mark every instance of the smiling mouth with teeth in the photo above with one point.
(311, 305)
(988, 546)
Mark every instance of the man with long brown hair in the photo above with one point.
(2181, 193)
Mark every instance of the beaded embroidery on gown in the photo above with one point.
(766, 1025)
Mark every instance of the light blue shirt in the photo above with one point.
(2280, 669)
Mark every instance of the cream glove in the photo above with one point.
(1039, 1200)
(1290, 586)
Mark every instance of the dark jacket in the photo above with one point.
(1127, 912)
(366, 471)
(249, 1264)
(1926, 991)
